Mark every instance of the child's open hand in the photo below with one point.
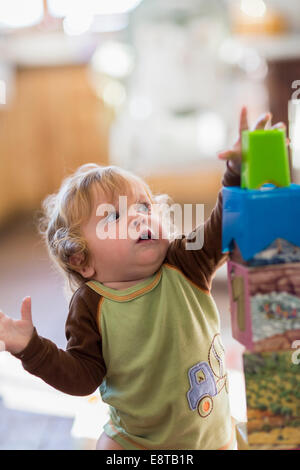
(234, 155)
(16, 334)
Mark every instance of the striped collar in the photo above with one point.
(131, 293)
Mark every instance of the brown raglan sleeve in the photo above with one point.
(79, 369)
(200, 264)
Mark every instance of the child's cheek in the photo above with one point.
(122, 229)
(153, 224)
(162, 231)
(161, 228)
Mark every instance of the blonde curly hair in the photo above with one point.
(65, 211)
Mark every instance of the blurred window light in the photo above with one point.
(77, 23)
(104, 7)
(231, 51)
(254, 8)
(61, 8)
(140, 108)
(18, 14)
(211, 133)
(114, 94)
(114, 59)
(250, 61)
(109, 23)
(2, 94)
(294, 131)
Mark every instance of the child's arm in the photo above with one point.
(77, 371)
(200, 264)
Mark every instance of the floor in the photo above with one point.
(46, 432)
(55, 420)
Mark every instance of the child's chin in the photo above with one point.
(152, 255)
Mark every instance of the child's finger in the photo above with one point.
(282, 125)
(263, 121)
(244, 120)
(26, 309)
(228, 155)
(279, 125)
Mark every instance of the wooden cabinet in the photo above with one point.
(54, 123)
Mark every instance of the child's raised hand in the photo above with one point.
(16, 334)
(234, 155)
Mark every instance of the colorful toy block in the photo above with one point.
(265, 305)
(264, 159)
(261, 234)
(254, 219)
(273, 400)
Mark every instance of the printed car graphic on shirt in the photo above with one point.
(203, 386)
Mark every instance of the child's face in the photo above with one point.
(124, 254)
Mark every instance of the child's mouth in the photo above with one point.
(145, 237)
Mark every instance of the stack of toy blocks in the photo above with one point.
(261, 231)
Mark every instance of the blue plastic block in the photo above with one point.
(255, 218)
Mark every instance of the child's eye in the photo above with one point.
(112, 217)
(143, 207)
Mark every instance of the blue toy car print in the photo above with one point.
(203, 388)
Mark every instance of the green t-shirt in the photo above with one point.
(166, 381)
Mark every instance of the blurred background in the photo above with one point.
(154, 86)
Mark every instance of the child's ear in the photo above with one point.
(87, 271)
(77, 260)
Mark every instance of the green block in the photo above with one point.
(264, 159)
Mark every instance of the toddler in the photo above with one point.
(142, 324)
